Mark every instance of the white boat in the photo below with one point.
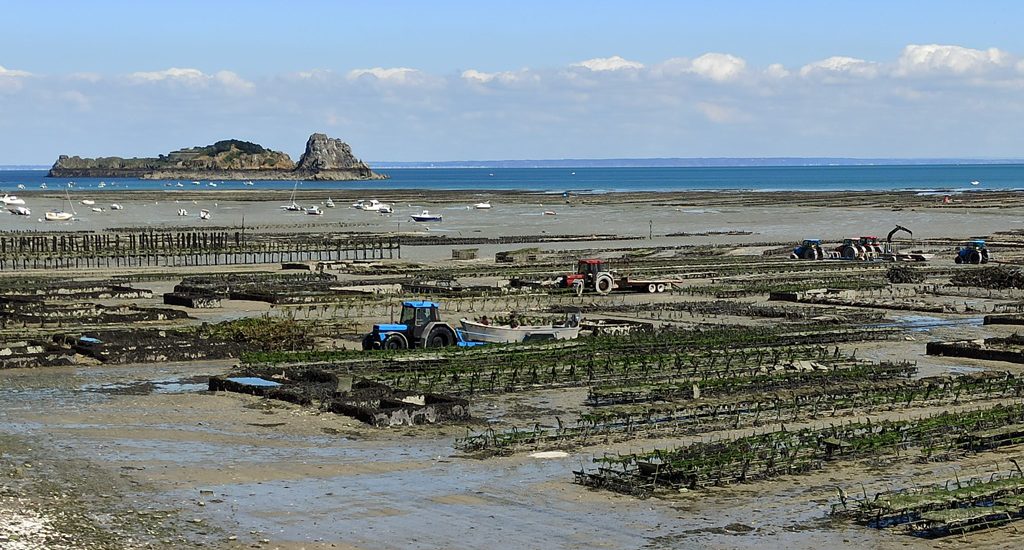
(97, 209)
(211, 184)
(975, 182)
(504, 334)
(88, 202)
(486, 205)
(204, 214)
(116, 206)
(550, 213)
(20, 211)
(329, 203)
(11, 200)
(21, 186)
(42, 185)
(58, 216)
(182, 212)
(247, 183)
(386, 209)
(358, 204)
(102, 184)
(372, 205)
(426, 216)
(293, 206)
(179, 184)
(314, 211)
(196, 182)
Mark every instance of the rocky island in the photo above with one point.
(325, 158)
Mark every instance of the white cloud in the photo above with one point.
(193, 78)
(613, 63)
(719, 67)
(474, 76)
(4, 72)
(399, 75)
(841, 66)
(918, 59)
(174, 74)
(776, 70)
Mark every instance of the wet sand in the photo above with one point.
(296, 478)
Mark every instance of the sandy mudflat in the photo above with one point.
(301, 479)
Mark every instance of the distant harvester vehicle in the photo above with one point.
(972, 252)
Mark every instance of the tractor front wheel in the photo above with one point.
(395, 341)
(368, 342)
(958, 259)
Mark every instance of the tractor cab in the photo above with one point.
(811, 242)
(417, 315)
(590, 268)
(586, 271)
(974, 245)
(870, 240)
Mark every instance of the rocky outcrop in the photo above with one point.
(325, 158)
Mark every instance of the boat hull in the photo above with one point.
(503, 334)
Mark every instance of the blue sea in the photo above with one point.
(935, 178)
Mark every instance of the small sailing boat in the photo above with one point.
(88, 202)
(314, 211)
(329, 203)
(294, 206)
(11, 200)
(60, 215)
(204, 214)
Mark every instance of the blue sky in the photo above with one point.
(403, 80)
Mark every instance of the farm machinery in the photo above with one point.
(867, 247)
(419, 326)
(591, 274)
(972, 252)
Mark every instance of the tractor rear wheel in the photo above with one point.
(603, 284)
(395, 340)
(975, 257)
(810, 253)
(850, 253)
(440, 337)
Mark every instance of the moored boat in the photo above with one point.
(426, 216)
(486, 205)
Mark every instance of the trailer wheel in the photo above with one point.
(603, 284)
(661, 287)
(440, 337)
(652, 288)
(578, 287)
(395, 340)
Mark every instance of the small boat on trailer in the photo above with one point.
(505, 334)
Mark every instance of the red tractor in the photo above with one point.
(590, 274)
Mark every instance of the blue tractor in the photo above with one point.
(810, 249)
(419, 326)
(972, 252)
